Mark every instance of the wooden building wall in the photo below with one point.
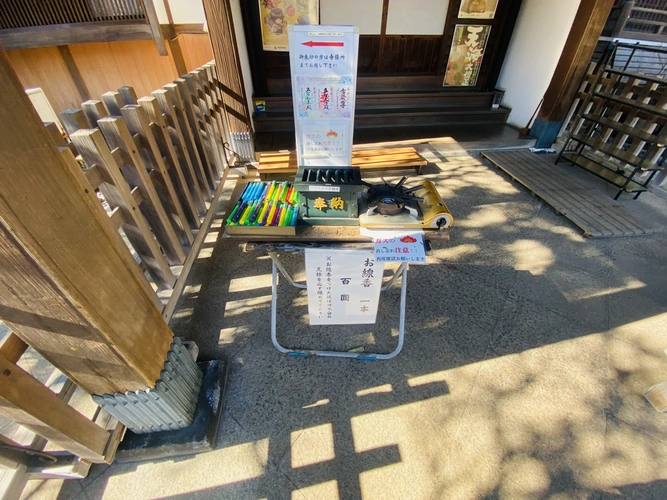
(101, 67)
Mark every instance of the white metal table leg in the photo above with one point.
(276, 265)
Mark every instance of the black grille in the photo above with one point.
(330, 175)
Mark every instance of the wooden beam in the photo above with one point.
(383, 33)
(74, 72)
(154, 24)
(72, 290)
(177, 56)
(12, 347)
(28, 402)
(69, 34)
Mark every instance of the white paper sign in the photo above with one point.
(398, 246)
(323, 65)
(343, 286)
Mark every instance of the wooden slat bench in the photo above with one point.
(367, 159)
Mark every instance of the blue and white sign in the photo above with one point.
(323, 64)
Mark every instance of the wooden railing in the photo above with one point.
(32, 13)
(157, 162)
(35, 23)
(158, 165)
(642, 20)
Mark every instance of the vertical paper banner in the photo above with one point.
(343, 286)
(466, 54)
(323, 64)
(276, 15)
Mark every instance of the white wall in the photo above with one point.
(538, 40)
(416, 17)
(182, 11)
(366, 14)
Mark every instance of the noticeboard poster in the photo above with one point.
(323, 64)
(277, 15)
(478, 9)
(343, 286)
(466, 54)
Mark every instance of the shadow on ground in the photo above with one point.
(528, 349)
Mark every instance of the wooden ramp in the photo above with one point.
(597, 213)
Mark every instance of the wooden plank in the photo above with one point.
(79, 33)
(55, 222)
(113, 102)
(96, 176)
(127, 95)
(562, 197)
(365, 159)
(597, 214)
(170, 101)
(134, 169)
(73, 120)
(12, 348)
(198, 193)
(27, 402)
(216, 93)
(117, 218)
(575, 195)
(198, 78)
(196, 119)
(137, 123)
(177, 162)
(94, 111)
(183, 92)
(116, 430)
(54, 133)
(95, 151)
(170, 306)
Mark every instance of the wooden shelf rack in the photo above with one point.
(619, 133)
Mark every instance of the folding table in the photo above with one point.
(334, 237)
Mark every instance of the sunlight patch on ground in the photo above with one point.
(248, 283)
(485, 216)
(531, 256)
(233, 464)
(375, 390)
(312, 446)
(321, 402)
(231, 334)
(630, 284)
(457, 252)
(245, 306)
(205, 253)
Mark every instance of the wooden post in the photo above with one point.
(66, 285)
(571, 68)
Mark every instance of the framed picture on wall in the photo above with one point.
(478, 9)
(276, 15)
(466, 54)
